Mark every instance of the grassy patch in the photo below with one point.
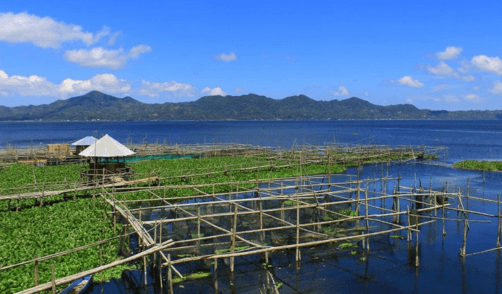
(479, 165)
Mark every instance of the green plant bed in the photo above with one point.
(479, 165)
(51, 229)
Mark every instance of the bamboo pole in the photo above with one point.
(36, 270)
(53, 280)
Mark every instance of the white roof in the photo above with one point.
(106, 147)
(87, 141)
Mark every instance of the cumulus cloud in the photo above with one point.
(226, 57)
(172, 88)
(449, 53)
(108, 83)
(488, 64)
(39, 86)
(44, 32)
(213, 92)
(409, 81)
(497, 88)
(472, 97)
(25, 86)
(442, 69)
(101, 57)
(342, 91)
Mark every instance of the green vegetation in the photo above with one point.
(479, 165)
(193, 276)
(63, 223)
(47, 230)
(97, 105)
(347, 245)
(220, 251)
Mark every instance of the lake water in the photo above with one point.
(390, 265)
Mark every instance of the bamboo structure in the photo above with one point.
(267, 215)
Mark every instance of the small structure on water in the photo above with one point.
(83, 143)
(107, 159)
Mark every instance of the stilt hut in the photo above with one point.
(107, 159)
(83, 143)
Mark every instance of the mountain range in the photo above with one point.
(99, 106)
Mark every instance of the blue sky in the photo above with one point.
(432, 54)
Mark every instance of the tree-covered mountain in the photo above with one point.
(96, 105)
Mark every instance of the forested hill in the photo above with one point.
(96, 105)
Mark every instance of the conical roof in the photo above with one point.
(106, 147)
(87, 141)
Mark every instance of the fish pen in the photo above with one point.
(180, 220)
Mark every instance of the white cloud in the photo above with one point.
(172, 88)
(488, 64)
(342, 91)
(113, 38)
(238, 90)
(39, 86)
(100, 57)
(213, 92)
(25, 86)
(449, 53)
(476, 88)
(442, 69)
(366, 93)
(409, 100)
(497, 88)
(226, 57)
(409, 81)
(44, 32)
(472, 97)
(464, 66)
(108, 83)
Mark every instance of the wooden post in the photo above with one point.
(443, 217)
(298, 254)
(139, 237)
(262, 234)
(198, 225)
(169, 274)
(366, 217)
(53, 280)
(409, 234)
(216, 276)
(155, 241)
(101, 258)
(36, 270)
(232, 246)
(114, 215)
(462, 250)
(144, 269)
(394, 204)
(416, 246)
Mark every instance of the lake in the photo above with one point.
(390, 265)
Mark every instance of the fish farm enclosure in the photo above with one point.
(181, 223)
